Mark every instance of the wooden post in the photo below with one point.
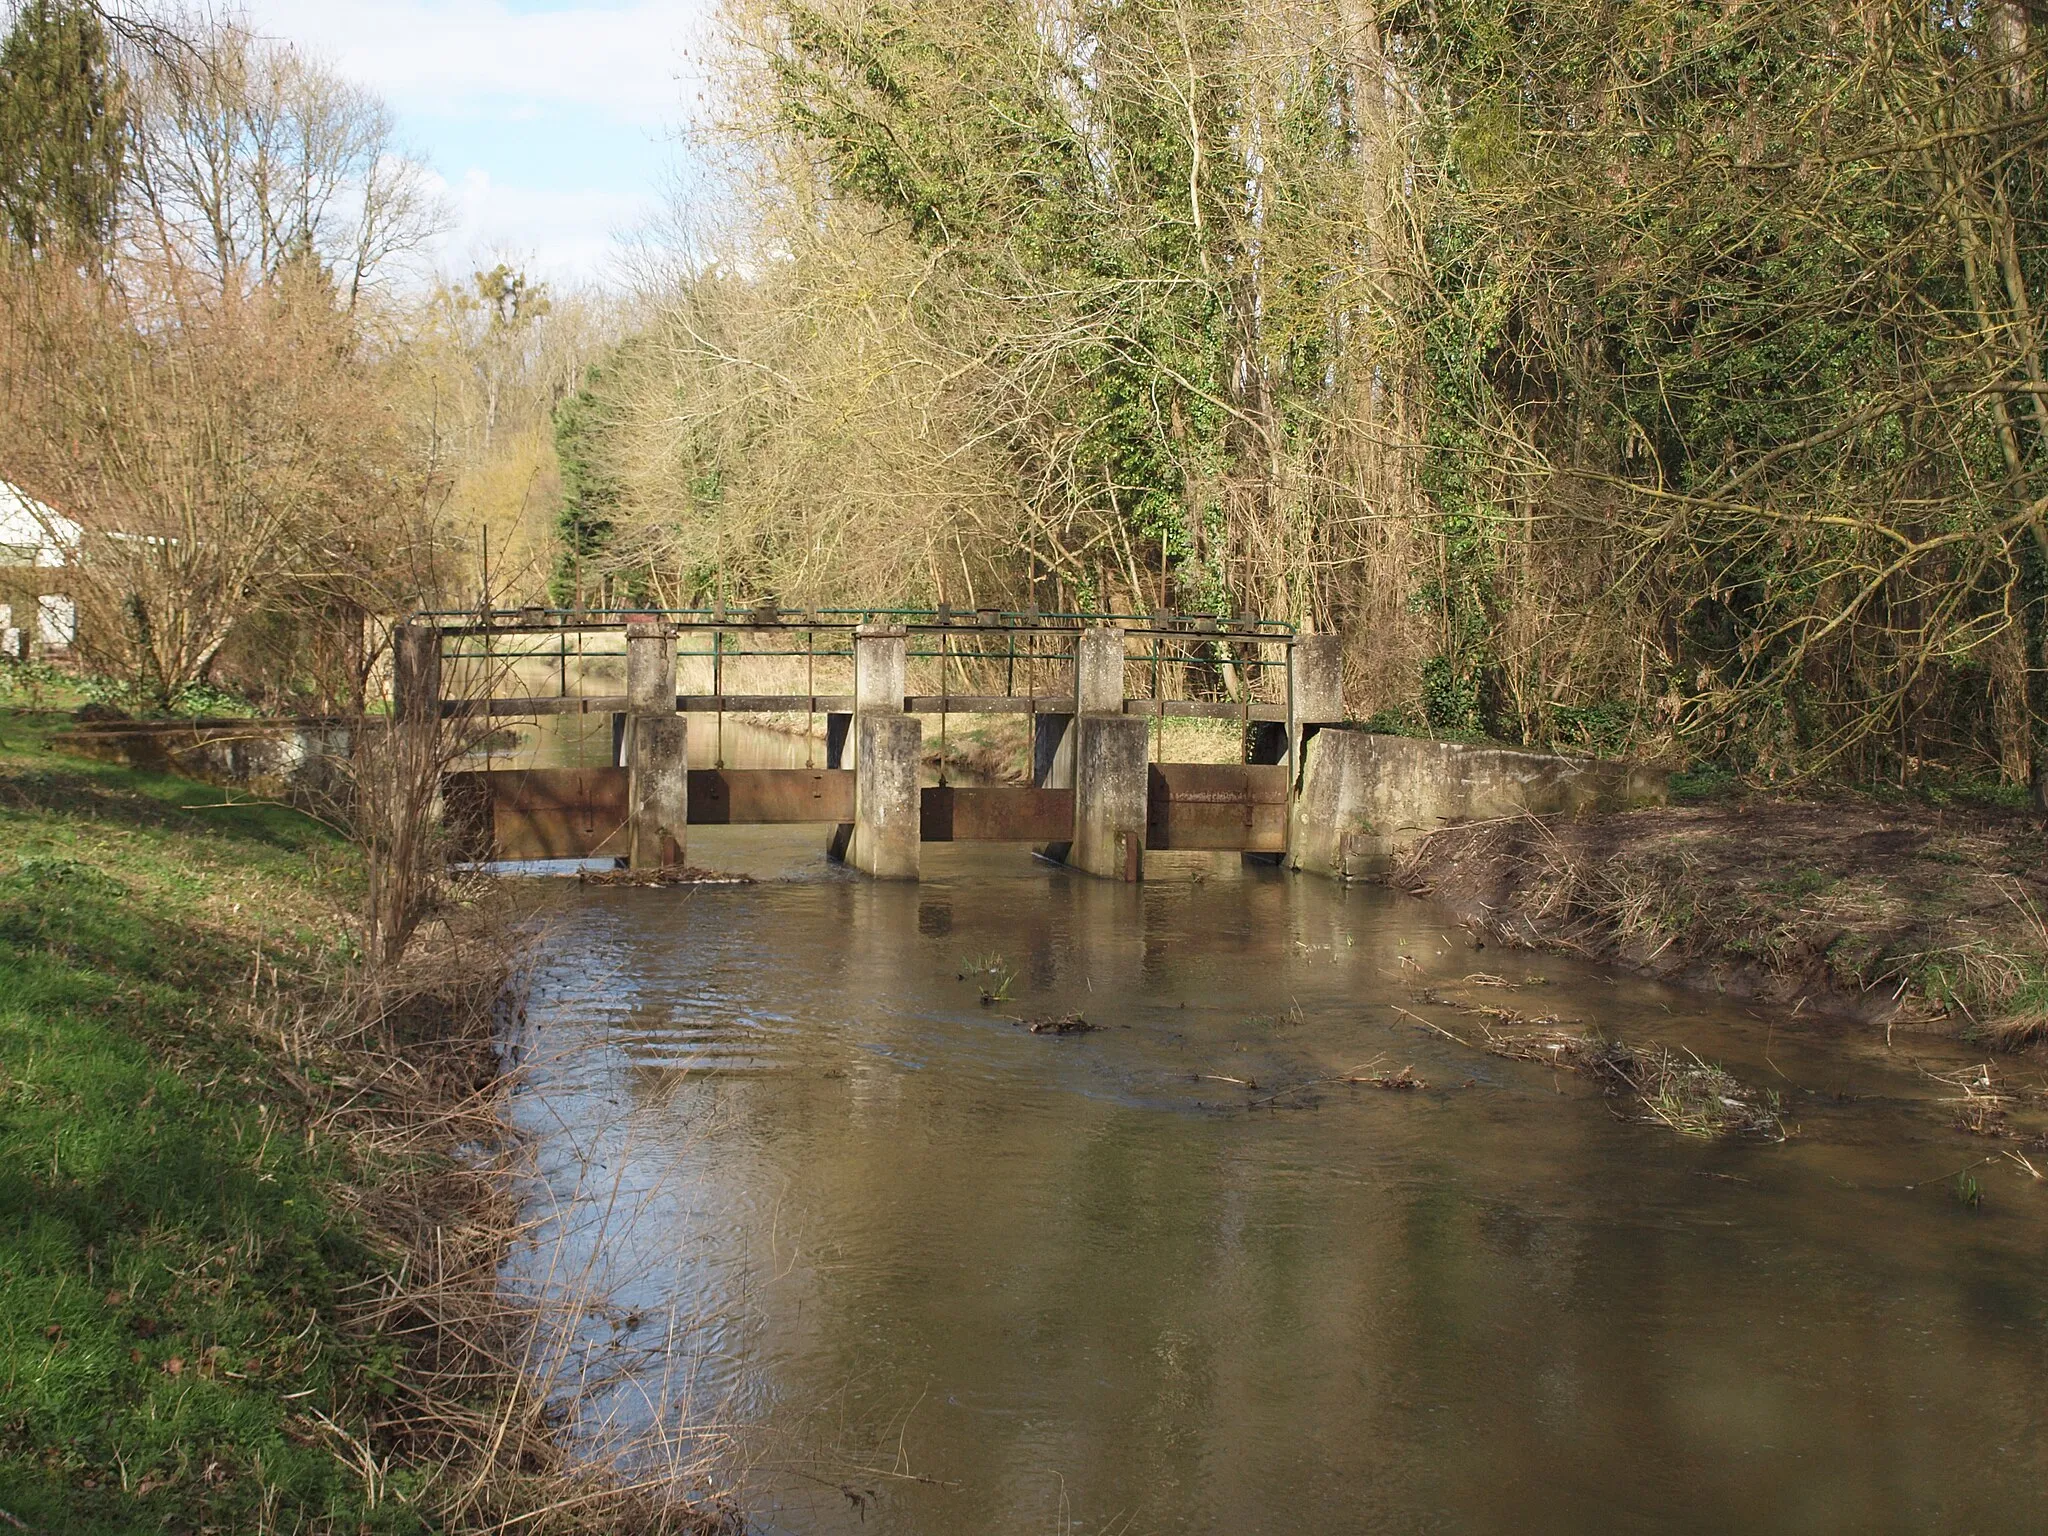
(416, 673)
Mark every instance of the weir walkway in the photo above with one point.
(1097, 688)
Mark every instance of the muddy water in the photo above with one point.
(924, 1271)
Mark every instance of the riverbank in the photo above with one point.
(1897, 913)
(254, 1195)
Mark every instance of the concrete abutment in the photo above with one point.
(1366, 798)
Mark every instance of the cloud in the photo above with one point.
(575, 231)
(549, 123)
(634, 63)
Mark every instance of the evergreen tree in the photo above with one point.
(590, 487)
(63, 129)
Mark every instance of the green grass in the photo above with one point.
(1800, 882)
(1704, 784)
(35, 684)
(171, 1248)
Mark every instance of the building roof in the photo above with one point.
(32, 533)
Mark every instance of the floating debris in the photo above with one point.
(1691, 1096)
(1057, 1024)
(1488, 979)
(683, 876)
(1403, 1081)
(1988, 1101)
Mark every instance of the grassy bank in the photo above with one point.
(248, 1246)
(1896, 911)
(171, 1260)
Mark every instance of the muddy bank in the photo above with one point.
(1901, 915)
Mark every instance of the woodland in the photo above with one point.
(1660, 378)
(1655, 377)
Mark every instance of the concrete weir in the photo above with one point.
(1321, 796)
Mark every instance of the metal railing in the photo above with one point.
(960, 661)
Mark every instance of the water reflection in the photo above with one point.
(944, 1275)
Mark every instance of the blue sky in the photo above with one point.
(553, 125)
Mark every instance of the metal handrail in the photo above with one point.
(949, 620)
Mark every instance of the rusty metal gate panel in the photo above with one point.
(545, 813)
(1219, 806)
(976, 814)
(769, 796)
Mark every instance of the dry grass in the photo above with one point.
(1987, 1100)
(1900, 914)
(1674, 1087)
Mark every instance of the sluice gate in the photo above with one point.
(1099, 689)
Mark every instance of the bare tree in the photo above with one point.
(224, 453)
(252, 154)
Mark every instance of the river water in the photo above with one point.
(908, 1267)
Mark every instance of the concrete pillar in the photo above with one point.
(659, 791)
(1091, 753)
(657, 750)
(416, 673)
(881, 657)
(1099, 672)
(1315, 675)
(1111, 781)
(1331, 829)
(1315, 698)
(887, 824)
(887, 750)
(650, 668)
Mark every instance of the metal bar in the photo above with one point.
(985, 704)
(1205, 709)
(829, 703)
(515, 621)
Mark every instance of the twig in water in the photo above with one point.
(1950, 1177)
(1425, 1023)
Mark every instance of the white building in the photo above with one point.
(36, 538)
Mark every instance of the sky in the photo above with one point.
(552, 126)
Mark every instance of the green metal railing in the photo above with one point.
(1233, 652)
(770, 616)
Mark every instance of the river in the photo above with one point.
(909, 1267)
